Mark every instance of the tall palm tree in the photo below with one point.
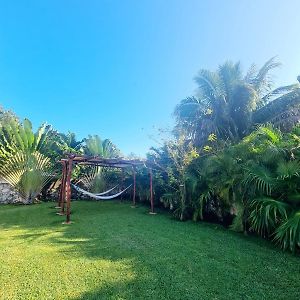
(227, 102)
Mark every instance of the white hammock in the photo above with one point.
(106, 192)
(78, 189)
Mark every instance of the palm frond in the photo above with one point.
(261, 178)
(288, 234)
(251, 73)
(209, 85)
(266, 214)
(263, 81)
(280, 91)
(229, 74)
(283, 112)
(288, 169)
(28, 173)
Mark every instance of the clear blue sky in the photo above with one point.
(118, 68)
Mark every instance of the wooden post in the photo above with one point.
(63, 190)
(151, 193)
(61, 197)
(134, 187)
(68, 188)
(122, 184)
(60, 190)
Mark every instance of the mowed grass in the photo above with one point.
(113, 251)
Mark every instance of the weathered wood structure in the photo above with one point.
(64, 201)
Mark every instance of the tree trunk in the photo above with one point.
(182, 198)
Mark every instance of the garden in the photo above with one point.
(224, 188)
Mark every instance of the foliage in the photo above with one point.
(95, 178)
(27, 158)
(266, 214)
(104, 148)
(234, 157)
(28, 173)
(229, 103)
(250, 186)
(69, 143)
(288, 233)
(179, 154)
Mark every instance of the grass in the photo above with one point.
(112, 251)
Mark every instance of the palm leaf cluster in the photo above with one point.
(25, 156)
(95, 178)
(94, 145)
(229, 103)
(29, 161)
(28, 173)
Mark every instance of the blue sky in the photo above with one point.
(118, 68)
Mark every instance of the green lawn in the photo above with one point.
(113, 251)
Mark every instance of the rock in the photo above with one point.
(9, 195)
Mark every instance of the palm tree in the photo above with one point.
(96, 178)
(228, 103)
(103, 148)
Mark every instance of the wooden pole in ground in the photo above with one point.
(134, 186)
(122, 184)
(68, 189)
(151, 193)
(60, 189)
(63, 190)
(61, 197)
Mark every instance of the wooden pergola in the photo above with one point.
(64, 200)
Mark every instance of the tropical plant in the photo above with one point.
(229, 103)
(254, 183)
(69, 143)
(96, 178)
(271, 180)
(27, 158)
(28, 173)
(288, 233)
(180, 155)
(103, 148)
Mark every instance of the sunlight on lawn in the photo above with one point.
(34, 259)
(112, 251)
